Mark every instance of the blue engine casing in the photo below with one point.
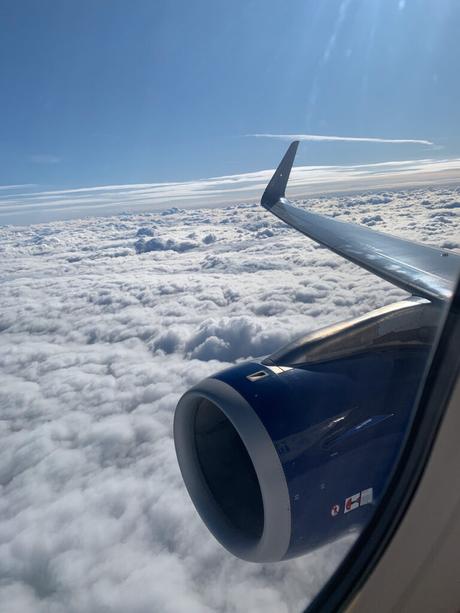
(280, 460)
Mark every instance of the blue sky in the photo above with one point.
(110, 92)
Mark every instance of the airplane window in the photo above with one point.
(229, 248)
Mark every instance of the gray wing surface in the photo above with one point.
(419, 269)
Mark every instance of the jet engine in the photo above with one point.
(283, 455)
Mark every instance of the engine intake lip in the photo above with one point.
(273, 543)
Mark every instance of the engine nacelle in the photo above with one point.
(285, 455)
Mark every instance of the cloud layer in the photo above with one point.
(101, 332)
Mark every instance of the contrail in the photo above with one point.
(351, 139)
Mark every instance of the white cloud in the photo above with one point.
(45, 158)
(98, 343)
(19, 186)
(348, 139)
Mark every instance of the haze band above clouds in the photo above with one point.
(29, 205)
(350, 139)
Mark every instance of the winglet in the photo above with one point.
(277, 186)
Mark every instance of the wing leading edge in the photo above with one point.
(419, 269)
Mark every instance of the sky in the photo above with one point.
(115, 92)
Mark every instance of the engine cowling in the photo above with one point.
(281, 457)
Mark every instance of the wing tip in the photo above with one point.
(277, 185)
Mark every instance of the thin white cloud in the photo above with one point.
(18, 186)
(45, 158)
(348, 139)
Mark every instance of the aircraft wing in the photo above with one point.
(419, 269)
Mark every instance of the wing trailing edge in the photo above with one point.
(422, 270)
